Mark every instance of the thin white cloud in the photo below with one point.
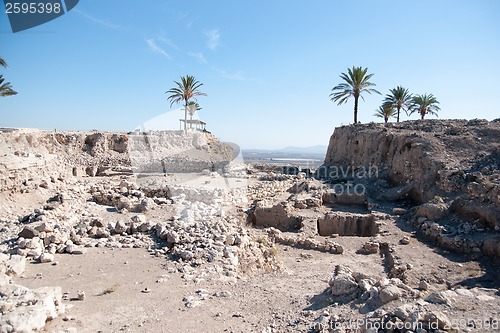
(186, 19)
(235, 76)
(94, 19)
(198, 56)
(213, 38)
(168, 42)
(238, 75)
(155, 48)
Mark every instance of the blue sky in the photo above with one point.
(267, 66)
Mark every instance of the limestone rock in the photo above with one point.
(390, 293)
(80, 295)
(191, 302)
(405, 240)
(432, 211)
(172, 237)
(424, 285)
(28, 232)
(342, 283)
(34, 308)
(439, 319)
(4, 279)
(120, 227)
(16, 265)
(442, 297)
(399, 211)
(26, 319)
(370, 247)
(46, 257)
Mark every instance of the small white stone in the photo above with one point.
(46, 257)
(81, 295)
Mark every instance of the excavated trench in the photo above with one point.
(281, 217)
(347, 224)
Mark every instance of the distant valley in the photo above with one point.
(309, 157)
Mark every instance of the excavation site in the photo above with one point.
(398, 230)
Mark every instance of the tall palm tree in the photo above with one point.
(399, 98)
(424, 104)
(186, 90)
(6, 88)
(385, 111)
(356, 83)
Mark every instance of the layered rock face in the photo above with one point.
(30, 154)
(431, 155)
(170, 151)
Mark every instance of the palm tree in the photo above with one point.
(424, 104)
(399, 98)
(356, 83)
(6, 88)
(186, 90)
(385, 111)
(192, 108)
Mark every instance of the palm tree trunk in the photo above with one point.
(356, 109)
(185, 116)
(397, 120)
(422, 114)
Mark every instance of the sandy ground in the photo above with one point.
(255, 302)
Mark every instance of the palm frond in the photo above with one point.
(193, 107)
(371, 90)
(186, 90)
(6, 88)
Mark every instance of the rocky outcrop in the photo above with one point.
(32, 158)
(433, 156)
(175, 151)
(348, 285)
